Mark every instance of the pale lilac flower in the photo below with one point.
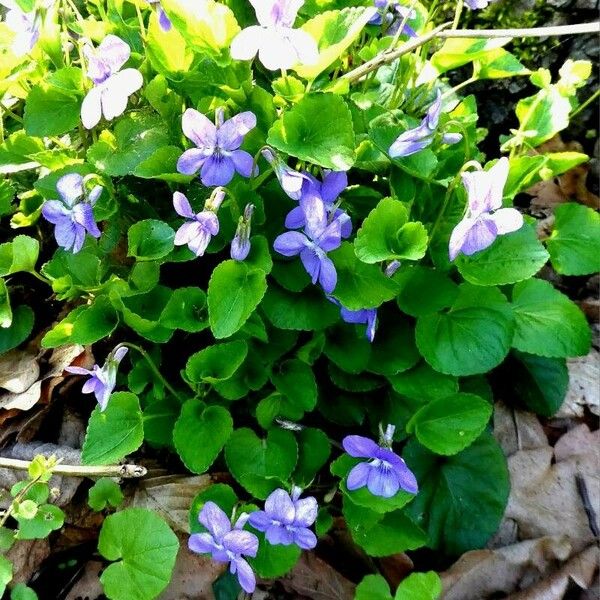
(393, 266)
(366, 316)
(291, 181)
(319, 237)
(226, 544)
(163, 20)
(112, 87)
(240, 245)
(217, 155)
(72, 215)
(385, 472)
(393, 14)
(477, 4)
(277, 44)
(286, 519)
(199, 228)
(415, 140)
(103, 379)
(485, 218)
(26, 26)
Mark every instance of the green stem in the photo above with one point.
(457, 13)
(461, 85)
(585, 104)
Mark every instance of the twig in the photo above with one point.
(123, 471)
(443, 33)
(587, 505)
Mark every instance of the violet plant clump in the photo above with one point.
(298, 218)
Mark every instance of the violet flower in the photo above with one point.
(240, 245)
(25, 25)
(291, 181)
(319, 237)
(416, 139)
(477, 4)
(366, 316)
(485, 218)
(392, 267)
(393, 14)
(287, 518)
(112, 87)
(103, 379)
(217, 155)
(163, 20)
(385, 473)
(277, 44)
(72, 215)
(199, 228)
(226, 544)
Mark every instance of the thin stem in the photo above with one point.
(457, 13)
(140, 21)
(40, 277)
(153, 367)
(461, 85)
(10, 113)
(123, 471)
(585, 104)
(8, 512)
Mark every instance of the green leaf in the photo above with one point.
(22, 592)
(6, 315)
(373, 587)
(547, 322)
(149, 240)
(261, 465)
(19, 255)
(339, 339)
(115, 432)
(498, 64)
(6, 573)
(145, 548)
(360, 285)
(448, 425)
(335, 31)
(274, 561)
(53, 106)
(216, 363)
(19, 330)
(423, 383)
(186, 310)
(420, 586)
(317, 129)
(103, 493)
(511, 258)
(460, 51)
(574, 245)
(296, 381)
(234, 291)
(47, 518)
(314, 449)
(386, 235)
(424, 290)
(462, 498)
(200, 434)
(473, 337)
(167, 51)
(159, 421)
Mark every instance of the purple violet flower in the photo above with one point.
(291, 181)
(392, 267)
(477, 4)
(393, 13)
(199, 228)
(485, 218)
(366, 316)
(217, 155)
(319, 237)
(287, 518)
(385, 473)
(416, 139)
(163, 20)
(240, 245)
(25, 25)
(277, 44)
(226, 544)
(72, 215)
(103, 379)
(112, 87)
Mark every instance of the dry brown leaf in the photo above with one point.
(517, 430)
(584, 390)
(19, 370)
(88, 585)
(482, 574)
(316, 579)
(26, 557)
(23, 400)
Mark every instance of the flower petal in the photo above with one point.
(215, 520)
(243, 163)
(305, 46)
(55, 212)
(327, 274)
(480, 236)
(279, 534)
(260, 520)
(360, 447)
(507, 220)
(290, 243)
(276, 51)
(70, 188)
(239, 541)
(231, 134)
(83, 214)
(245, 574)
(306, 511)
(202, 543)
(114, 52)
(246, 43)
(295, 219)
(304, 538)
(358, 476)
(217, 170)
(191, 161)
(334, 183)
(383, 482)
(199, 129)
(182, 205)
(279, 506)
(91, 108)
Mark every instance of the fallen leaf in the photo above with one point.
(27, 557)
(23, 400)
(517, 430)
(88, 586)
(584, 375)
(19, 370)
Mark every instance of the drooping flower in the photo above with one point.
(112, 87)
(278, 45)
(226, 544)
(287, 518)
(485, 218)
(217, 155)
(103, 379)
(366, 316)
(240, 245)
(199, 228)
(477, 4)
(163, 19)
(416, 139)
(72, 215)
(318, 238)
(393, 14)
(291, 181)
(385, 472)
(25, 25)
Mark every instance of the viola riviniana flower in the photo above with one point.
(240, 245)
(199, 228)
(385, 472)
(277, 44)
(291, 181)
(226, 544)
(393, 14)
(25, 25)
(103, 379)
(366, 316)
(485, 218)
(112, 87)
(319, 237)
(287, 518)
(72, 215)
(163, 20)
(415, 140)
(217, 155)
